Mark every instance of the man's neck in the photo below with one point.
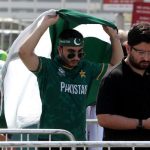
(65, 65)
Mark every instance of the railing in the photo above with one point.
(10, 144)
(92, 121)
(74, 144)
(29, 132)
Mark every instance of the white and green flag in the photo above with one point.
(19, 86)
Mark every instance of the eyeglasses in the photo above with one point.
(73, 54)
(141, 52)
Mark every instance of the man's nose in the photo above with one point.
(76, 57)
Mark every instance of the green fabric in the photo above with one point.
(63, 94)
(71, 19)
(96, 50)
(99, 53)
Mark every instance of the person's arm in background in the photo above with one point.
(117, 52)
(26, 51)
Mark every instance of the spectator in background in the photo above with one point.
(123, 102)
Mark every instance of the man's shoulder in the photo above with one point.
(44, 58)
(116, 71)
(117, 68)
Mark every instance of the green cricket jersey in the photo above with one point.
(63, 93)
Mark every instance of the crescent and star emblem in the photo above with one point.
(77, 41)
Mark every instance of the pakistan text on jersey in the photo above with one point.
(73, 88)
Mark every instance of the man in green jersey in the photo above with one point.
(64, 82)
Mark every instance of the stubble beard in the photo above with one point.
(140, 65)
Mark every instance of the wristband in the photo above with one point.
(140, 124)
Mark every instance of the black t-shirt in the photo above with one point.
(126, 93)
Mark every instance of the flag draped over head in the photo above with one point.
(19, 86)
(72, 19)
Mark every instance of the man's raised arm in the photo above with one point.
(117, 52)
(26, 51)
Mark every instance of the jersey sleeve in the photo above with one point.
(41, 74)
(41, 67)
(98, 70)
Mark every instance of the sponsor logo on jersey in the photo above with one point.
(61, 72)
(73, 88)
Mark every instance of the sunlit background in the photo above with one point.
(15, 15)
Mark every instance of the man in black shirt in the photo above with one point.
(123, 103)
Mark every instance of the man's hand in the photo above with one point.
(50, 20)
(111, 32)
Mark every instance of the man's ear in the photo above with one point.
(128, 48)
(60, 48)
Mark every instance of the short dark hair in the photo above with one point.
(70, 33)
(138, 33)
